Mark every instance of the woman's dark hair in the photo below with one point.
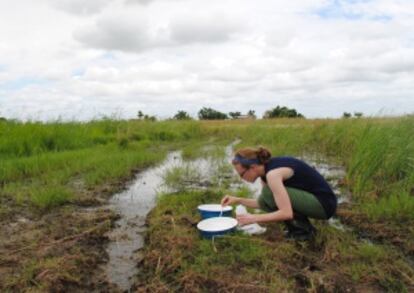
(248, 156)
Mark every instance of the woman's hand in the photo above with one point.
(246, 219)
(229, 200)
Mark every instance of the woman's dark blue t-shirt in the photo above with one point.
(305, 178)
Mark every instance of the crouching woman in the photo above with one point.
(292, 192)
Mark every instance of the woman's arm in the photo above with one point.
(248, 202)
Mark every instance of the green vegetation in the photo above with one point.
(378, 154)
(281, 112)
(49, 170)
(182, 115)
(45, 164)
(211, 114)
(178, 259)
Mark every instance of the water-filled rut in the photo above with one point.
(127, 238)
(134, 204)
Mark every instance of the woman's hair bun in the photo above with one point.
(263, 154)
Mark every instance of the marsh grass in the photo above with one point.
(179, 259)
(211, 147)
(39, 161)
(179, 178)
(378, 154)
(50, 196)
(46, 165)
(45, 180)
(211, 169)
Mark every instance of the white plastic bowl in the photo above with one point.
(216, 226)
(214, 210)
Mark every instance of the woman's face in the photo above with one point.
(247, 174)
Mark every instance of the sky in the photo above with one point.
(82, 60)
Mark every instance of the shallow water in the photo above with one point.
(133, 206)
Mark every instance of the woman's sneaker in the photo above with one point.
(301, 230)
(300, 234)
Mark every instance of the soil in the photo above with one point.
(401, 235)
(61, 250)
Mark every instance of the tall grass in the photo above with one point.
(40, 161)
(26, 139)
(377, 153)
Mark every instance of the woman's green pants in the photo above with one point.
(303, 203)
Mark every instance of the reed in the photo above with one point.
(378, 153)
(40, 161)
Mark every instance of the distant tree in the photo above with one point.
(140, 114)
(234, 115)
(182, 115)
(358, 114)
(346, 115)
(149, 118)
(282, 112)
(210, 114)
(3, 119)
(251, 113)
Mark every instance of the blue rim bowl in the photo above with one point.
(216, 227)
(214, 210)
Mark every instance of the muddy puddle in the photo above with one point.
(134, 204)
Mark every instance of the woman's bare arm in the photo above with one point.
(249, 202)
(275, 180)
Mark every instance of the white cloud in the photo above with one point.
(85, 58)
(197, 27)
(134, 31)
(80, 7)
(120, 31)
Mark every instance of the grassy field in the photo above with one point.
(43, 163)
(48, 172)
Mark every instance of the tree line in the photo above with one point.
(206, 113)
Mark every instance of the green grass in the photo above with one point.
(180, 177)
(40, 162)
(26, 139)
(50, 196)
(189, 262)
(394, 206)
(177, 258)
(377, 153)
(46, 165)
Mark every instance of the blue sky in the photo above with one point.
(22, 82)
(337, 9)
